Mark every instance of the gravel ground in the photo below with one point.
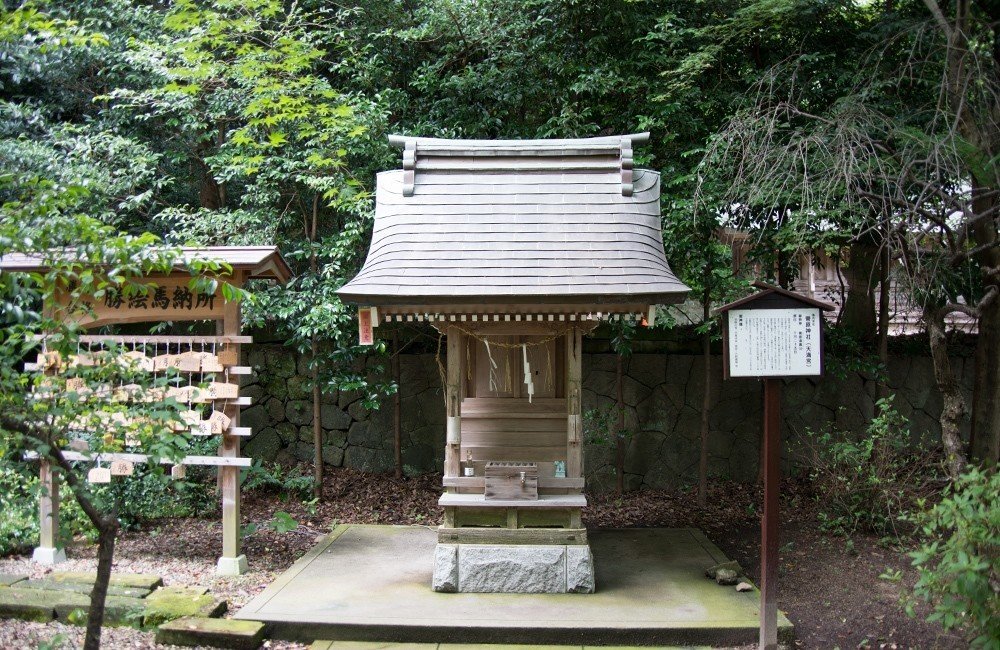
(830, 591)
(21, 634)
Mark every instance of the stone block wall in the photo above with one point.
(281, 416)
(663, 397)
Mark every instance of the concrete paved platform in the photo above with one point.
(372, 583)
(380, 645)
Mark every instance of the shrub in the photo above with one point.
(276, 479)
(148, 495)
(869, 484)
(144, 496)
(19, 511)
(959, 563)
(600, 425)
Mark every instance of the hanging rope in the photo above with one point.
(494, 379)
(441, 371)
(512, 346)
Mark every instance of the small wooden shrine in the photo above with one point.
(514, 250)
(208, 368)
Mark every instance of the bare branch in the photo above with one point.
(939, 18)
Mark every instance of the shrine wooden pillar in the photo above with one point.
(453, 403)
(574, 411)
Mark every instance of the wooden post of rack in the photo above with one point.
(232, 562)
(47, 551)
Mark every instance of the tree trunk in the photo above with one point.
(784, 275)
(984, 442)
(619, 428)
(980, 131)
(107, 530)
(706, 402)
(858, 313)
(317, 423)
(884, 296)
(954, 408)
(314, 350)
(397, 433)
(209, 193)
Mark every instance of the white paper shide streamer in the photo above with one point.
(528, 379)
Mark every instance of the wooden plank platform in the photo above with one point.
(543, 501)
(479, 482)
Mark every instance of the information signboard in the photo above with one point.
(772, 334)
(167, 299)
(774, 342)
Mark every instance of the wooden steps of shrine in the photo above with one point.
(544, 501)
(479, 482)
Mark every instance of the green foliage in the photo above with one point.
(150, 495)
(19, 511)
(959, 563)
(600, 427)
(281, 522)
(843, 353)
(57, 641)
(242, 86)
(273, 478)
(868, 484)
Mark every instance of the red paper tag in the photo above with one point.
(365, 334)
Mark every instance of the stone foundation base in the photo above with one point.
(513, 569)
(47, 555)
(231, 566)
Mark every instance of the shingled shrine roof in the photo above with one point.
(527, 221)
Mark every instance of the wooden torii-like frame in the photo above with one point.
(171, 300)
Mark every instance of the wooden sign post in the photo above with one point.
(771, 335)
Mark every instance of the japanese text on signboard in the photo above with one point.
(179, 298)
(774, 342)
